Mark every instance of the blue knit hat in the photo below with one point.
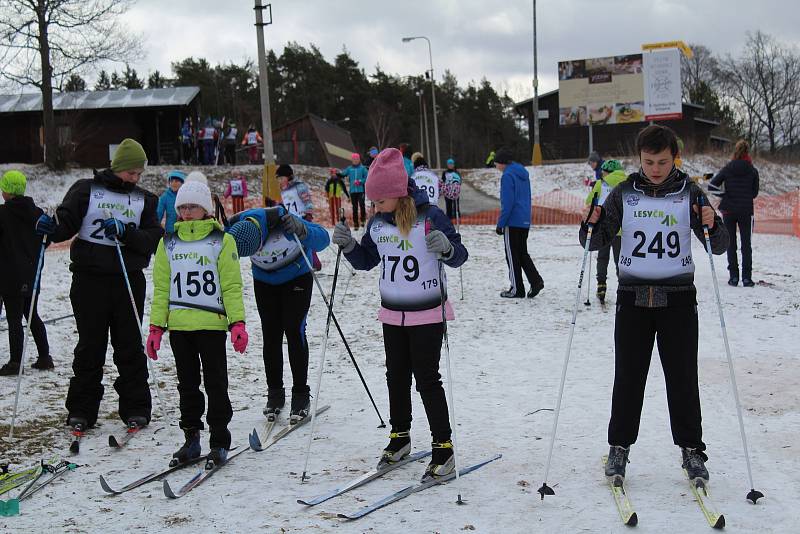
(247, 235)
(176, 175)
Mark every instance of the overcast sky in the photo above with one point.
(471, 38)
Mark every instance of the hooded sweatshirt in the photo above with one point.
(19, 245)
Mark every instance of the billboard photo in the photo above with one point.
(603, 90)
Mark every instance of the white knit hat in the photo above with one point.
(194, 193)
(196, 176)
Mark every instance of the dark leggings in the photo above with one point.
(17, 306)
(415, 350)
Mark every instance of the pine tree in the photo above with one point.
(75, 83)
(130, 79)
(103, 82)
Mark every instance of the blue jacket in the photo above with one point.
(316, 239)
(355, 173)
(166, 205)
(515, 197)
(407, 163)
(366, 256)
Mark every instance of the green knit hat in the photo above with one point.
(129, 155)
(13, 183)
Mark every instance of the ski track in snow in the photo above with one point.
(507, 357)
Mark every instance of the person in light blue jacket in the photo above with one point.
(514, 224)
(357, 176)
(166, 202)
(282, 282)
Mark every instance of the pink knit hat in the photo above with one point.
(387, 176)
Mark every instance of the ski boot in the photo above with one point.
(616, 463)
(137, 421)
(43, 363)
(601, 292)
(301, 404)
(275, 402)
(694, 464)
(398, 448)
(77, 423)
(536, 289)
(10, 369)
(443, 461)
(189, 450)
(217, 457)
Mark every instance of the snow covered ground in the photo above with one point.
(507, 357)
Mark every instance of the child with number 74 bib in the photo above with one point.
(197, 296)
(408, 237)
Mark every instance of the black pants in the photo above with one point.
(453, 208)
(603, 255)
(415, 350)
(675, 332)
(206, 347)
(357, 199)
(230, 153)
(102, 305)
(744, 221)
(283, 309)
(17, 306)
(518, 259)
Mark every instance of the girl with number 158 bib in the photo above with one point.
(408, 237)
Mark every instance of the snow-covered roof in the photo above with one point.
(127, 98)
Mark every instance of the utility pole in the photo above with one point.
(537, 149)
(433, 98)
(269, 183)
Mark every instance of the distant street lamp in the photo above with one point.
(433, 95)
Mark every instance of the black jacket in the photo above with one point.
(668, 292)
(330, 185)
(140, 243)
(740, 181)
(19, 245)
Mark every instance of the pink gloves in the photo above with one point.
(239, 337)
(154, 341)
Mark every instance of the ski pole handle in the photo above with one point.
(591, 211)
(341, 217)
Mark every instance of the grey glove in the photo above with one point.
(343, 237)
(294, 225)
(438, 244)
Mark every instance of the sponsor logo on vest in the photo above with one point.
(632, 200)
(669, 220)
(402, 244)
(201, 260)
(113, 206)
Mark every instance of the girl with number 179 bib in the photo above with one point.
(408, 237)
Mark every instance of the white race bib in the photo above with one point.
(232, 134)
(278, 251)
(124, 207)
(428, 182)
(237, 189)
(252, 138)
(656, 236)
(208, 133)
(409, 273)
(195, 282)
(291, 199)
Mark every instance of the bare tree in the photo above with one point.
(46, 41)
(380, 118)
(698, 69)
(763, 83)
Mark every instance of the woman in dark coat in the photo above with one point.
(737, 184)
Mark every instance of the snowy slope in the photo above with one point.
(775, 178)
(507, 358)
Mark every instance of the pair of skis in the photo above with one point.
(255, 444)
(11, 507)
(698, 487)
(392, 497)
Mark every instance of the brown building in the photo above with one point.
(572, 142)
(311, 140)
(88, 122)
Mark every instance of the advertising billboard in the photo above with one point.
(662, 84)
(603, 90)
